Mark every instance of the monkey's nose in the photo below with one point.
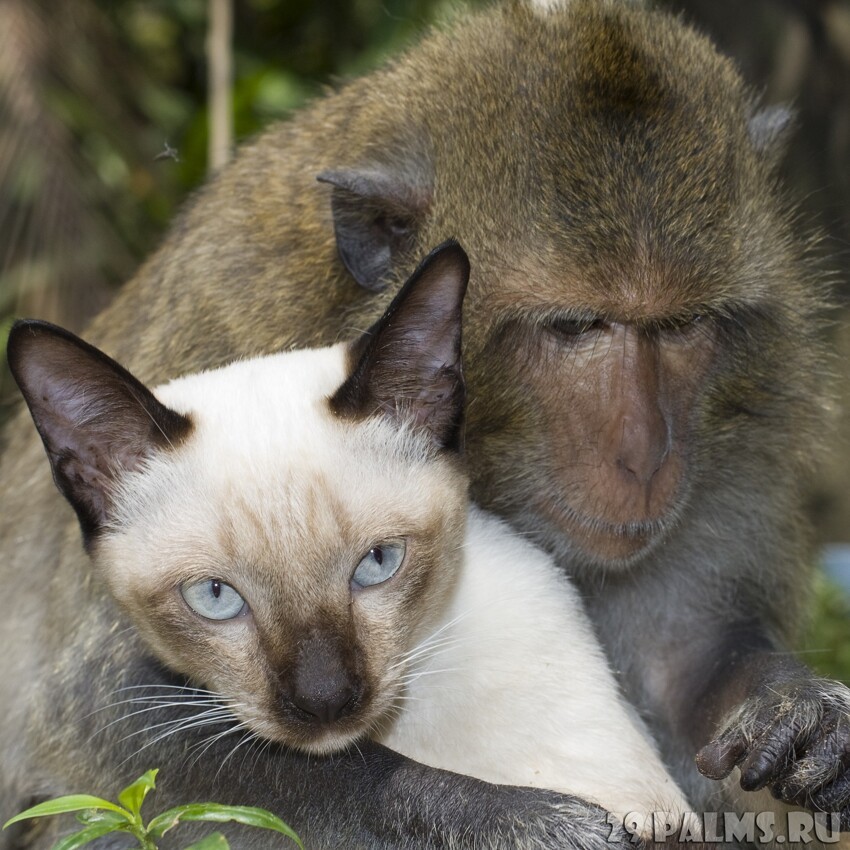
(325, 703)
(643, 447)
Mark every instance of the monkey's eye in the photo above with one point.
(571, 329)
(686, 328)
(213, 599)
(379, 564)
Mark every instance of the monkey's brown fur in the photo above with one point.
(603, 161)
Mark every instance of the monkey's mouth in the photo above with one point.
(602, 540)
(632, 530)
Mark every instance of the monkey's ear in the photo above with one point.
(408, 365)
(375, 214)
(96, 420)
(769, 129)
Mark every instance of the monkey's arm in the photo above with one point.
(122, 718)
(784, 727)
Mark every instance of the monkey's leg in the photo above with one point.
(116, 720)
(786, 728)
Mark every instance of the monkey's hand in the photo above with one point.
(794, 737)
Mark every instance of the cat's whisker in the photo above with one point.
(412, 677)
(447, 625)
(178, 726)
(255, 752)
(431, 640)
(175, 697)
(203, 745)
(359, 751)
(395, 711)
(248, 736)
(158, 702)
(265, 746)
(126, 716)
(253, 744)
(411, 671)
(210, 705)
(205, 718)
(424, 648)
(428, 648)
(423, 645)
(437, 687)
(434, 640)
(433, 651)
(392, 712)
(158, 686)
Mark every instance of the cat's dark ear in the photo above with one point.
(96, 420)
(375, 214)
(408, 365)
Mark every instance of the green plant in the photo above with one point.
(100, 817)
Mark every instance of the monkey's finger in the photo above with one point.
(718, 759)
(824, 762)
(834, 797)
(771, 753)
(821, 779)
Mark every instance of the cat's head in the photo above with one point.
(282, 530)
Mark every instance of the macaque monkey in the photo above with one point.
(645, 385)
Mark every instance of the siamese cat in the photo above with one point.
(293, 534)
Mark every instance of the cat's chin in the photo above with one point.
(322, 743)
(330, 743)
(317, 741)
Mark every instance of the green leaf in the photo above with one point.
(78, 839)
(216, 813)
(216, 841)
(71, 803)
(90, 817)
(134, 795)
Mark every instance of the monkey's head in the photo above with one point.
(640, 347)
(637, 307)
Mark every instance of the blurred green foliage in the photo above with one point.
(827, 644)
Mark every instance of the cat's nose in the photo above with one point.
(322, 687)
(326, 702)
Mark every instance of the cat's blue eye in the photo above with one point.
(379, 564)
(213, 599)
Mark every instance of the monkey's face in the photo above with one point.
(598, 422)
(631, 268)
(617, 429)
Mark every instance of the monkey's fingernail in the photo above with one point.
(761, 765)
(754, 777)
(716, 760)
